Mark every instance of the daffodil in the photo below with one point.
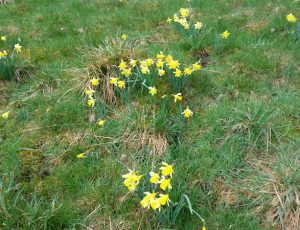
(177, 97)
(132, 179)
(124, 37)
(113, 80)
(149, 61)
(18, 48)
(154, 179)
(101, 122)
(178, 73)
(155, 204)
(173, 64)
(188, 71)
(165, 183)
(146, 201)
(225, 34)
(121, 84)
(184, 12)
(196, 66)
(81, 155)
(91, 102)
(126, 72)
(133, 62)
(122, 65)
(161, 72)
(169, 20)
(166, 169)
(186, 26)
(152, 91)
(159, 64)
(3, 38)
(89, 92)
(203, 228)
(1, 55)
(160, 56)
(291, 18)
(5, 115)
(164, 199)
(175, 18)
(198, 26)
(144, 63)
(145, 70)
(95, 82)
(169, 58)
(187, 112)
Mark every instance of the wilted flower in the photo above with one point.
(91, 102)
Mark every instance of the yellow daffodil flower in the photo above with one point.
(81, 155)
(186, 26)
(183, 21)
(187, 112)
(1, 55)
(164, 199)
(101, 122)
(145, 70)
(95, 82)
(126, 72)
(161, 72)
(175, 18)
(165, 184)
(160, 56)
(177, 97)
(225, 34)
(144, 63)
(122, 65)
(5, 115)
(113, 80)
(198, 26)
(169, 20)
(18, 48)
(188, 71)
(121, 84)
(132, 179)
(291, 18)
(154, 179)
(145, 203)
(91, 102)
(149, 61)
(173, 64)
(3, 38)
(159, 64)
(89, 92)
(133, 62)
(166, 169)
(196, 66)
(152, 91)
(155, 204)
(178, 73)
(124, 37)
(184, 12)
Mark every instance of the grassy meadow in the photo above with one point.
(237, 158)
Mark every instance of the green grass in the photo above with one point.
(234, 158)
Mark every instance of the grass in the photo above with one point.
(237, 158)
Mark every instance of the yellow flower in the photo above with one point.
(196, 66)
(113, 80)
(159, 63)
(89, 92)
(173, 64)
(198, 26)
(121, 84)
(91, 102)
(1, 55)
(165, 183)
(291, 18)
(122, 65)
(18, 48)
(186, 26)
(164, 199)
(3, 38)
(133, 62)
(132, 179)
(184, 12)
(187, 112)
(126, 72)
(160, 56)
(178, 73)
(101, 122)
(175, 18)
(225, 34)
(183, 21)
(169, 20)
(188, 71)
(144, 63)
(152, 91)
(155, 204)
(95, 82)
(147, 199)
(81, 155)
(149, 61)
(166, 169)
(177, 97)
(124, 37)
(161, 72)
(145, 70)
(5, 115)
(203, 228)
(169, 58)
(154, 179)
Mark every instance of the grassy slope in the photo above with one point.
(238, 151)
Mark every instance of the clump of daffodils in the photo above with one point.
(160, 183)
